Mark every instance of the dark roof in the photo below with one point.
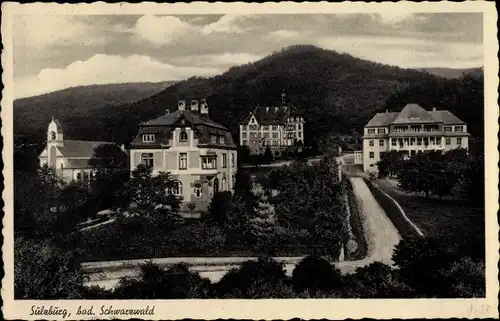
(413, 113)
(271, 115)
(163, 126)
(172, 119)
(80, 148)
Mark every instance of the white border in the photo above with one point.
(272, 309)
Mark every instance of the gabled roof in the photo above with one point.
(80, 148)
(270, 115)
(174, 117)
(413, 113)
(382, 119)
(446, 117)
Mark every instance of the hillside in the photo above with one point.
(337, 92)
(452, 73)
(33, 113)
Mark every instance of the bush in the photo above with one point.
(176, 282)
(42, 271)
(264, 278)
(315, 274)
(219, 207)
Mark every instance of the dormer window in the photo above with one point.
(148, 138)
(183, 136)
(213, 139)
(222, 140)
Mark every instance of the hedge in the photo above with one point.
(393, 211)
(356, 224)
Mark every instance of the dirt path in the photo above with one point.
(381, 235)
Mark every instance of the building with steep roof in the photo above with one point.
(410, 131)
(198, 153)
(69, 158)
(278, 127)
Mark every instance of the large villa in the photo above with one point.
(410, 131)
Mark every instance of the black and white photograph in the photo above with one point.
(197, 155)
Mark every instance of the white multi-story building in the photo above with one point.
(199, 154)
(278, 127)
(410, 131)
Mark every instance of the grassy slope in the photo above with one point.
(447, 218)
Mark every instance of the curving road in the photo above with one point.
(381, 235)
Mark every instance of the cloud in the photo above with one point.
(161, 30)
(44, 30)
(105, 69)
(282, 33)
(226, 24)
(222, 60)
(407, 52)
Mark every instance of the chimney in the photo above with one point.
(167, 111)
(276, 109)
(204, 107)
(387, 111)
(267, 110)
(433, 108)
(122, 147)
(194, 105)
(181, 105)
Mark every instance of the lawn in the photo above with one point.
(450, 219)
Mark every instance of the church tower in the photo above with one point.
(55, 139)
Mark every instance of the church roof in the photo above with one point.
(80, 148)
(413, 113)
(78, 163)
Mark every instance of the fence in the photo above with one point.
(394, 211)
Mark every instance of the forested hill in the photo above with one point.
(336, 92)
(32, 114)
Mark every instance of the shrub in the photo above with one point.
(42, 271)
(315, 274)
(264, 278)
(219, 207)
(176, 282)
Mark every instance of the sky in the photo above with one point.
(53, 52)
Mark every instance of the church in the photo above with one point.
(69, 158)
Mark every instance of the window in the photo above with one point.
(244, 135)
(147, 159)
(459, 141)
(252, 135)
(412, 141)
(197, 190)
(381, 131)
(183, 136)
(78, 177)
(381, 142)
(245, 142)
(372, 155)
(275, 135)
(223, 184)
(275, 127)
(300, 135)
(459, 128)
(448, 141)
(253, 127)
(265, 127)
(224, 160)
(176, 188)
(233, 162)
(234, 180)
(300, 126)
(148, 138)
(222, 139)
(275, 143)
(183, 160)
(53, 135)
(371, 143)
(209, 162)
(213, 139)
(371, 131)
(447, 129)
(393, 142)
(419, 141)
